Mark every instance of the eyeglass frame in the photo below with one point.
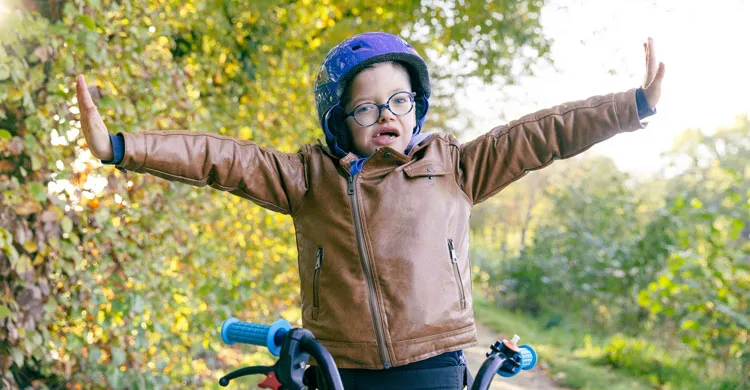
(380, 107)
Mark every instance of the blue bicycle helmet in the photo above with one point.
(347, 59)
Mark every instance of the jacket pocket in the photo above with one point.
(316, 276)
(457, 273)
(426, 169)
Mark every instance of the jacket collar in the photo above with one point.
(386, 154)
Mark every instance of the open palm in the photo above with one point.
(92, 125)
(654, 75)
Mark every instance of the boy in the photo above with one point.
(382, 213)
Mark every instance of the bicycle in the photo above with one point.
(295, 346)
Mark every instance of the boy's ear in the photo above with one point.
(420, 104)
(341, 131)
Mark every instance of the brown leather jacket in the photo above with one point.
(384, 256)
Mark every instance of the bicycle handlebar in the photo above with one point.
(269, 336)
(296, 345)
(505, 359)
(528, 357)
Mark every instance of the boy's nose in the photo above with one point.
(386, 115)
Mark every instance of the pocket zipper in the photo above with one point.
(318, 264)
(456, 272)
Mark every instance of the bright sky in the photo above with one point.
(704, 45)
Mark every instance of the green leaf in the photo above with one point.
(4, 312)
(67, 224)
(94, 354)
(22, 264)
(17, 356)
(86, 21)
(114, 376)
(36, 339)
(5, 134)
(118, 356)
(35, 164)
(138, 304)
(38, 191)
(741, 319)
(4, 72)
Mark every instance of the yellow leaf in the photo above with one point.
(22, 264)
(688, 324)
(67, 224)
(30, 246)
(26, 207)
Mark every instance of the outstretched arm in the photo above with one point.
(274, 180)
(494, 160)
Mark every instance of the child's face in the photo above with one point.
(377, 84)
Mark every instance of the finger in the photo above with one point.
(659, 76)
(84, 98)
(646, 78)
(651, 60)
(91, 120)
(81, 93)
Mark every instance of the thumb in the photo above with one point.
(659, 76)
(653, 91)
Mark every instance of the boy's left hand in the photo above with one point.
(654, 75)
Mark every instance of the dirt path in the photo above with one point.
(535, 378)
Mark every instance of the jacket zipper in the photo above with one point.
(316, 299)
(456, 272)
(366, 266)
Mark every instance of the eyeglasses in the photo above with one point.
(367, 114)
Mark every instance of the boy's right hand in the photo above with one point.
(96, 133)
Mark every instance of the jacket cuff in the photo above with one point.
(134, 156)
(118, 149)
(644, 110)
(627, 111)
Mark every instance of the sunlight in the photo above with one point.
(5, 11)
(696, 93)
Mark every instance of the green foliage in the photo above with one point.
(119, 280)
(580, 357)
(705, 286)
(582, 255)
(562, 348)
(641, 358)
(669, 260)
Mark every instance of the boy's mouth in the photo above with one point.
(386, 135)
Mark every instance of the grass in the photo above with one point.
(579, 360)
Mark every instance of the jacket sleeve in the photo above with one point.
(274, 180)
(506, 153)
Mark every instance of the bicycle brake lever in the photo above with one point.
(224, 381)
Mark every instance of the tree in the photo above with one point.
(117, 279)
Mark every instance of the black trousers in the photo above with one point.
(443, 372)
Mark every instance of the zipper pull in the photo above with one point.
(320, 258)
(351, 185)
(452, 250)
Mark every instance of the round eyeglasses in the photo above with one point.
(367, 114)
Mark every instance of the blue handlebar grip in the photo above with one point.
(236, 331)
(528, 357)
